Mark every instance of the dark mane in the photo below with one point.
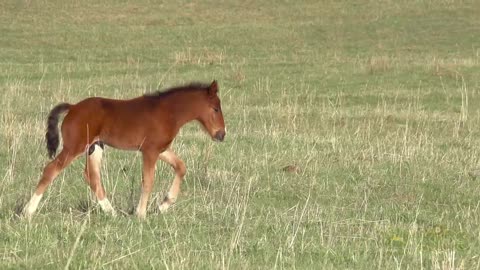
(185, 88)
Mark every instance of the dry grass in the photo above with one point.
(352, 135)
(200, 58)
(379, 64)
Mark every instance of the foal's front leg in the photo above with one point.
(177, 164)
(149, 162)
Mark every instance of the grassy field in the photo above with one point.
(353, 134)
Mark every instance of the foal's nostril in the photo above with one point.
(220, 135)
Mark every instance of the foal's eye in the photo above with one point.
(216, 109)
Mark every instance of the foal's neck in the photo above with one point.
(184, 106)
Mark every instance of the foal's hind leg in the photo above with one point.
(177, 164)
(92, 176)
(49, 173)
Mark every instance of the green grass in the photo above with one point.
(376, 103)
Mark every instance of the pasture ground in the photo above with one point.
(353, 134)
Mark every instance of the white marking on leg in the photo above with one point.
(171, 198)
(32, 205)
(96, 156)
(163, 207)
(142, 208)
(107, 206)
(167, 202)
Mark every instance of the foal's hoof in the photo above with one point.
(166, 203)
(141, 216)
(112, 214)
(26, 216)
(164, 207)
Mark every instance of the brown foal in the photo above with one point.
(148, 123)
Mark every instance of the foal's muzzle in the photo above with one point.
(220, 135)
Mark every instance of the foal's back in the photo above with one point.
(124, 124)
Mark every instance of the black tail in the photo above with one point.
(52, 128)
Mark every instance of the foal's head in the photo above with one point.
(211, 116)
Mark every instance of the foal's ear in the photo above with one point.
(213, 88)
